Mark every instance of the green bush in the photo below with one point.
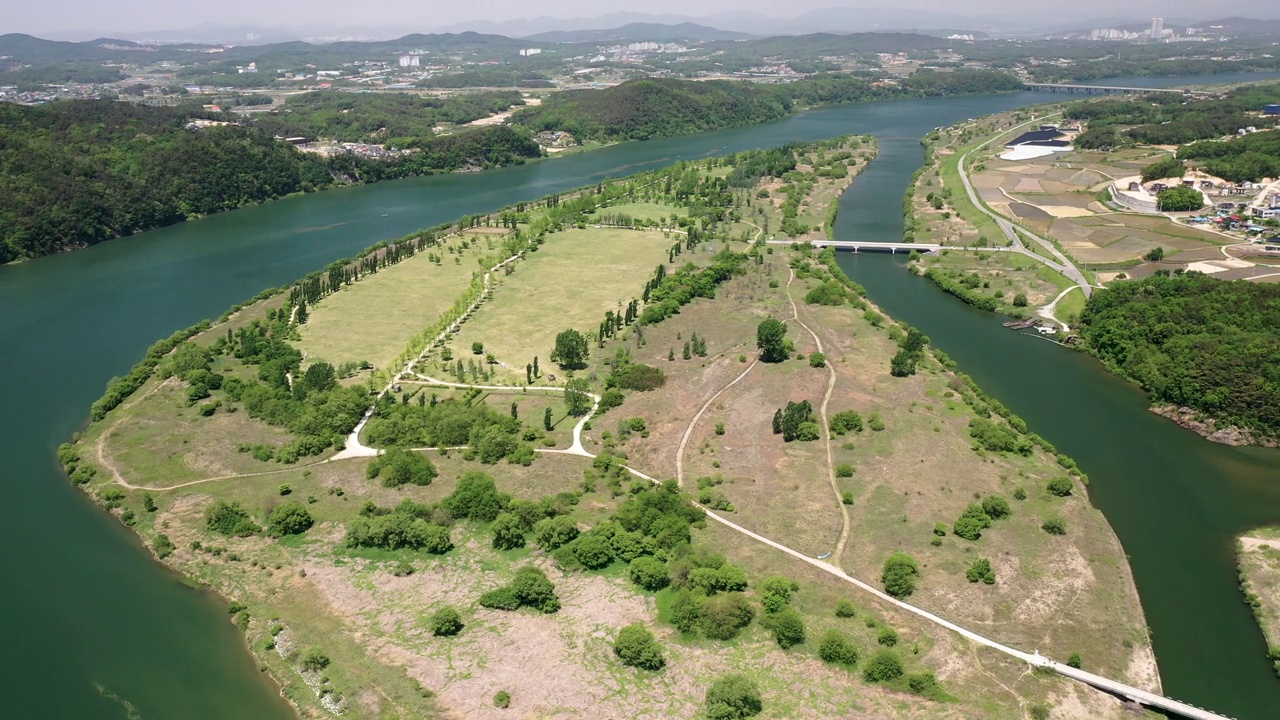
(1060, 487)
(554, 532)
(996, 507)
(1055, 526)
(733, 697)
(313, 659)
(445, 622)
(529, 588)
(980, 570)
(649, 573)
(887, 637)
(722, 616)
(228, 518)
(291, 518)
(884, 666)
(787, 627)
(972, 522)
(899, 575)
(808, 431)
(636, 647)
(845, 609)
(508, 532)
(163, 546)
(398, 467)
(817, 360)
(502, 699)
(845, 421)
(844, 470)
(837, 649)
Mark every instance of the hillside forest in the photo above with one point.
(75, 173)
(1194, 341)
(644, 109)
(1196, 126)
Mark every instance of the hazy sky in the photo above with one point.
(63, 16)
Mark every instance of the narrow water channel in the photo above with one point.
(94, 629)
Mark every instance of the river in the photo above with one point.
(94, 629)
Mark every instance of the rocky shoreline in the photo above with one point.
(1208, 427)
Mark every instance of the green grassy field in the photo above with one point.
(373, 318)
(570, 282)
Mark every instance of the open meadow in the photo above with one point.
(573, 279)
(371, 319)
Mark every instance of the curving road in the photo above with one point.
(1012, 231)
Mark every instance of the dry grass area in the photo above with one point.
(372, 319)
(372, 623)
(157, 436)
(1259, 561)
(1060, 594)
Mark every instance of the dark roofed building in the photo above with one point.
(1035, 137)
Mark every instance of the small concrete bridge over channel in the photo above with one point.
(1100, 89)
(857, 246)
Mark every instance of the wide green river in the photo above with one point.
(94, 629)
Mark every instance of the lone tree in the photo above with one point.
(771, 338)
(733, 697)
(571, 350)
(577, 397)
(1179, 199)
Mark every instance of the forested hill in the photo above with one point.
(1193, 341)
(75, 173)
(643, 109)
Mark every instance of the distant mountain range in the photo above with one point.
(639, 32)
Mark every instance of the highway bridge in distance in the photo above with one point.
(856, 246)
(1100, 89)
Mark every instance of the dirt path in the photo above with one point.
(838, 551)
(1047, 312)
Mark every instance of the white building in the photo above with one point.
(527, 52)
(1157, 28)
(409, 61)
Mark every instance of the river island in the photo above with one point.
(625, 435)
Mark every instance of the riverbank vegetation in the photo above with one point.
(1191, 340)
(1258, 560)
(408, 584)
(649, 108)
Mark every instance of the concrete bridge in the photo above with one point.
(1142, 697)
(1098, 89)
(858, 246)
